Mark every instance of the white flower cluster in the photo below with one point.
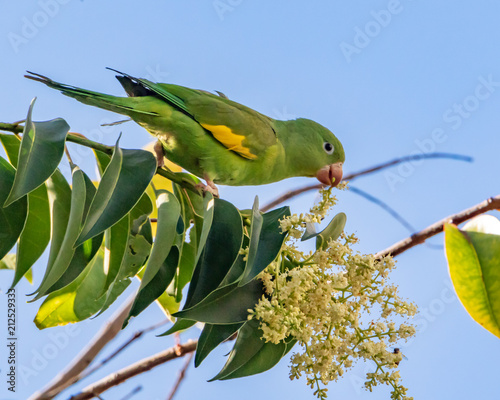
(337, 305)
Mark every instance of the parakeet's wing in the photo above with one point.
(239, 128)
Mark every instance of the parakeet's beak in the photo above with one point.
(330, 175)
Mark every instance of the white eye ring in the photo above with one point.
(328, 147)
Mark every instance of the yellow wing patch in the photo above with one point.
(230, 140)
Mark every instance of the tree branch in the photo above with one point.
(493, 203)
(350, 177)
(72, 372)
(137, 335)
(180, 377)
(137, 368)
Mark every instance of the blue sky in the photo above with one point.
(389, 78)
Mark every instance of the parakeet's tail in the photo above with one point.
(121, 105)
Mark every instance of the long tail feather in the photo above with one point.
(121, 105)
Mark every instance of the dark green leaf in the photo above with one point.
(36, 232)
(211, 337)
(248, 344)
(156, 286)
(41, 151)
(266, 358)
(266, 243)
(137, 249)
(226, 305)
(102, 159)
(66, 251)
(238, 266)
(59, 194)
(12, 218)
(180, 325)
(123, 183)
(331, 232)
(163, 260)
(222, 246)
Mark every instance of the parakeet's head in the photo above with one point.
(312, 150)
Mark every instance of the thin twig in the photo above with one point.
(68, 156)
(493, 203)
(350, 177)
(131, 340)
(384, 206)
(71, 374)
(132, 393)
(180, 377)
(14, 128)
(137, 368)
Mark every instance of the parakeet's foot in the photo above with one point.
(159, 153)
(209, 187)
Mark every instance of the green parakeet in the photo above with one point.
(218, 139)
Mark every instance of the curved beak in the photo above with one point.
(330, 175)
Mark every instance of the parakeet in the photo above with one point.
(218, 139)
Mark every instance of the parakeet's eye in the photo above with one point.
(328, 147)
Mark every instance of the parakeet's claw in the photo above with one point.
(159, 153)
(209, 187)
(330, 175)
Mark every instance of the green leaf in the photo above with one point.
(331, 232)
(35, 235)
(223, 243)
(267, 357)
(123, 183)
(193, 207)
(226, 305)
(77, 301)
(67, 249)
(168, 304)
(137, 252)
(265, 241)
(13, 217)
(310, 232)
(41, 151)
(474, 264)
(211, 337)
(250, 354)
(59, 194)
(163, 260)
(137, 249)
(11, 144)
(116, 239)
(206, 224)
(180, 325)
(102, 160)
(155, 287)
(238, 266)
(9, 262)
